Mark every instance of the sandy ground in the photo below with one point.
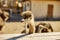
(12, 30)
(17, 27)
(36, 36)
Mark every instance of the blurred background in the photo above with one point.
(43, 10)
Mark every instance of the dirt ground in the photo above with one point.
(18, 27)
(39, 36)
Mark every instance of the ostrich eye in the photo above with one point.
(29, 15)
(26, 16)
(44, 30)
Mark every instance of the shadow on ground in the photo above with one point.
(15, 38)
